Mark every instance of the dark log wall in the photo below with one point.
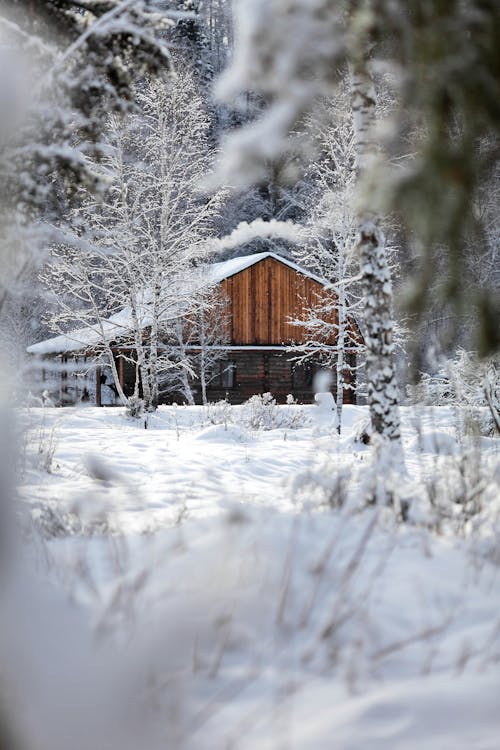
(267, 371)
(264, 298)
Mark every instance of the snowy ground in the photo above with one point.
(229, 589)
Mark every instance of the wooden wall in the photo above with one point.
(263, 300)
(267, 371)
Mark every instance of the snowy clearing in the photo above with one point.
(256, 614)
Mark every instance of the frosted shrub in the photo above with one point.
(467, 382)
(218, 412)
(462, 492)
(50, 521)
(41, 444)
(291, 417)
(47, 445)
(135, 407)
(261, 412)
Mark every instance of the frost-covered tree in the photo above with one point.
(466, 382)
(375, 275)
(150, 230)
(443, 325)
(80, 284)
(294, 51)
(327, 198)
(82, 59)
(64, 66)
(198, 342)
(210, 331)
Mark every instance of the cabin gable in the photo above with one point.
(265, 299)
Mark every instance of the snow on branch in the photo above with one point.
(288, 51)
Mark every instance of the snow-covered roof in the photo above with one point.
(225, 269)
(85, 338)
(120, 324)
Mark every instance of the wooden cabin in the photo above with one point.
(266, 294)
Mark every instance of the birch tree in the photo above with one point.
(376, 283)
(327, 199)
(81, 283)
(199, 340)
(211, 332)
(151, 229)
(297, 96)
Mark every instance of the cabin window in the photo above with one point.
(227, 374)
(303, 375)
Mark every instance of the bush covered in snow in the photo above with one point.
(261, 412)
(469, 382)
(217, 412)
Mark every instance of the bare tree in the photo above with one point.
(198, 341)
(328, 201)
(211, 333)
(150, 230)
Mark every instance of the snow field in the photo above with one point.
(256, 614)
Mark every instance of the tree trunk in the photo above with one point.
(203, 373)
(186, 389)
(141, 356)
(375, 274)
(112, 363)
(116, 377)
(153, 354)
(341, 332)
(203, 379)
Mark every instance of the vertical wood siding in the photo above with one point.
(265, 298)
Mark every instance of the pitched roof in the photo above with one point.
(83, 338)
(225, 269)
(120, 324)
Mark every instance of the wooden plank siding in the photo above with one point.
(264, 299)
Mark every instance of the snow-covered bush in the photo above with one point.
(261, 412)
(218, 412)
(135, 407)
(469, 382)
(459, 493)
(39, 440)
(46, 449)
(51, 522)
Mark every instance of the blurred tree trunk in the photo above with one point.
(375, 273)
